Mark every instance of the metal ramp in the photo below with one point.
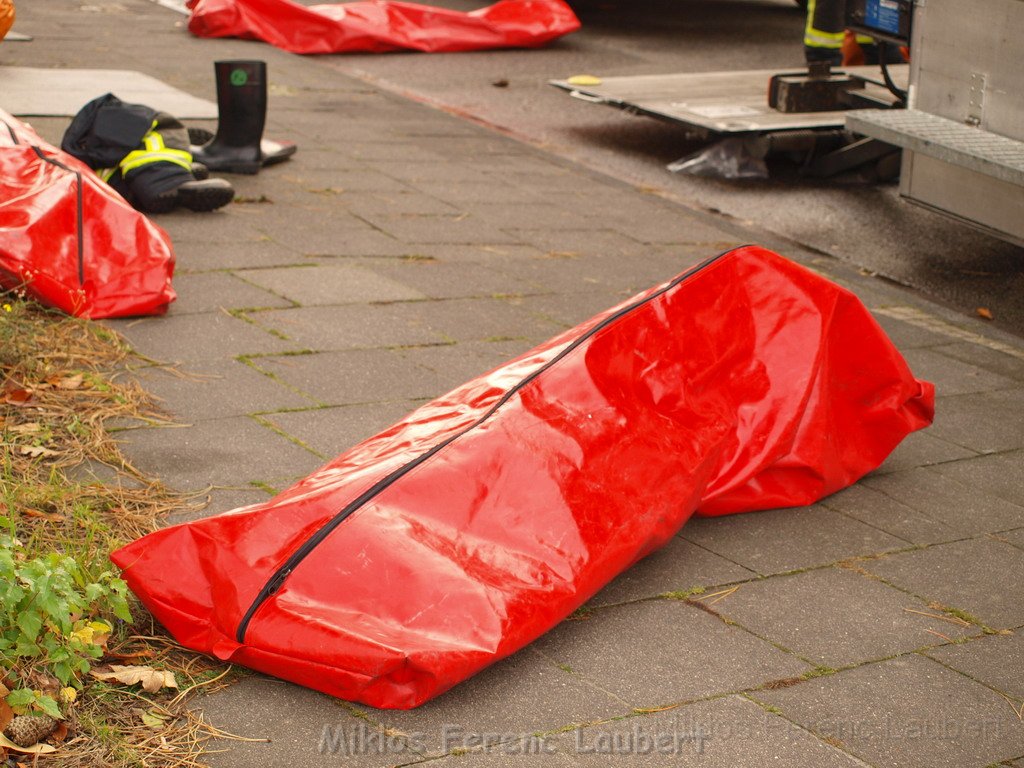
(943, 139)
(721, 102)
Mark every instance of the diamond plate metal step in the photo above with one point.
(957, 143)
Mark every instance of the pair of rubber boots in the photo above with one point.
(239, 146)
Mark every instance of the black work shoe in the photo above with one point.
(205, 195)
(200, 171)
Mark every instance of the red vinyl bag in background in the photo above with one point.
(376, 26)
(484, 518)
(70, 241)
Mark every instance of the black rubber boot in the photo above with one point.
(242, 112)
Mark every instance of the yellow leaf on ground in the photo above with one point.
(152, 680)
(154, 718)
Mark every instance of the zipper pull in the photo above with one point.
(276, 583)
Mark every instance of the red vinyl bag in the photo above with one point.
(376, 26)
(70, 241)
(484, 518)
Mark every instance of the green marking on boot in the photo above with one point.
(239, 77)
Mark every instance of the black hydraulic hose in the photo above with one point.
(895, 90)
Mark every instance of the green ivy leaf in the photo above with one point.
(22, 697)
(30, 624)
(48, 705)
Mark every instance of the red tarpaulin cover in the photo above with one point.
(375, 26)
(485, 517)
(69, 240)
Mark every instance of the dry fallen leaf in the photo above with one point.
(51, 516)
(35, 749)
(985, 312)
(17, 396)
(26, 429)
(154, 719)
(6, 715)
(152, 680)
(71, 382)
(59, 734)
(35, 451)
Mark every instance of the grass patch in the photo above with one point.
(66, 615)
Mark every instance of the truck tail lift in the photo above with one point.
(956, 111)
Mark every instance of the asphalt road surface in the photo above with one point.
(863, 223)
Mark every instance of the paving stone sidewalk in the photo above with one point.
(405, 250)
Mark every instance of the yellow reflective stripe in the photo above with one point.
(816, 38)
(141, 157)
(105, 173)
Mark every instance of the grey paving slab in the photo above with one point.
(296, 722)
(980, 576)
(954, 377)
(455, 364)
(922, 449)
(408, 202)
(886, 513)
(464, 228)
(232, 452)
(353, 326)
(967, 509)
(211, 291)
(1001, 475)
(835, 617)
(353, 376)
(229, 224)
(438, 175)
(518, 696)
(336, 181)
(323, 242)
(570, 309)
(664, 651)
(987, 422)
(330, 284)
(723, 733)
(1014, 537)
(907, 335)
(218, 501)
(441, 279)
(200, 255)
(663, 226)
(676, 567)
(990, 359)
(470, 187)
(787, 539)
(330, 431)
(526, 753)
(214, 389)
(903, 712)
(995, 660)
(581, 242)
(514, 215)
(572, 271)
(197, 338)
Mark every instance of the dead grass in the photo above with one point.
(63, 385)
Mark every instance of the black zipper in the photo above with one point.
(80, 215)
(281, 574)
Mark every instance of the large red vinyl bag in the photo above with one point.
(375, 26)
(70, 241)
(487, 516)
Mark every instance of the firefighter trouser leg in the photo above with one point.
(823, 33)
(161, 164)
